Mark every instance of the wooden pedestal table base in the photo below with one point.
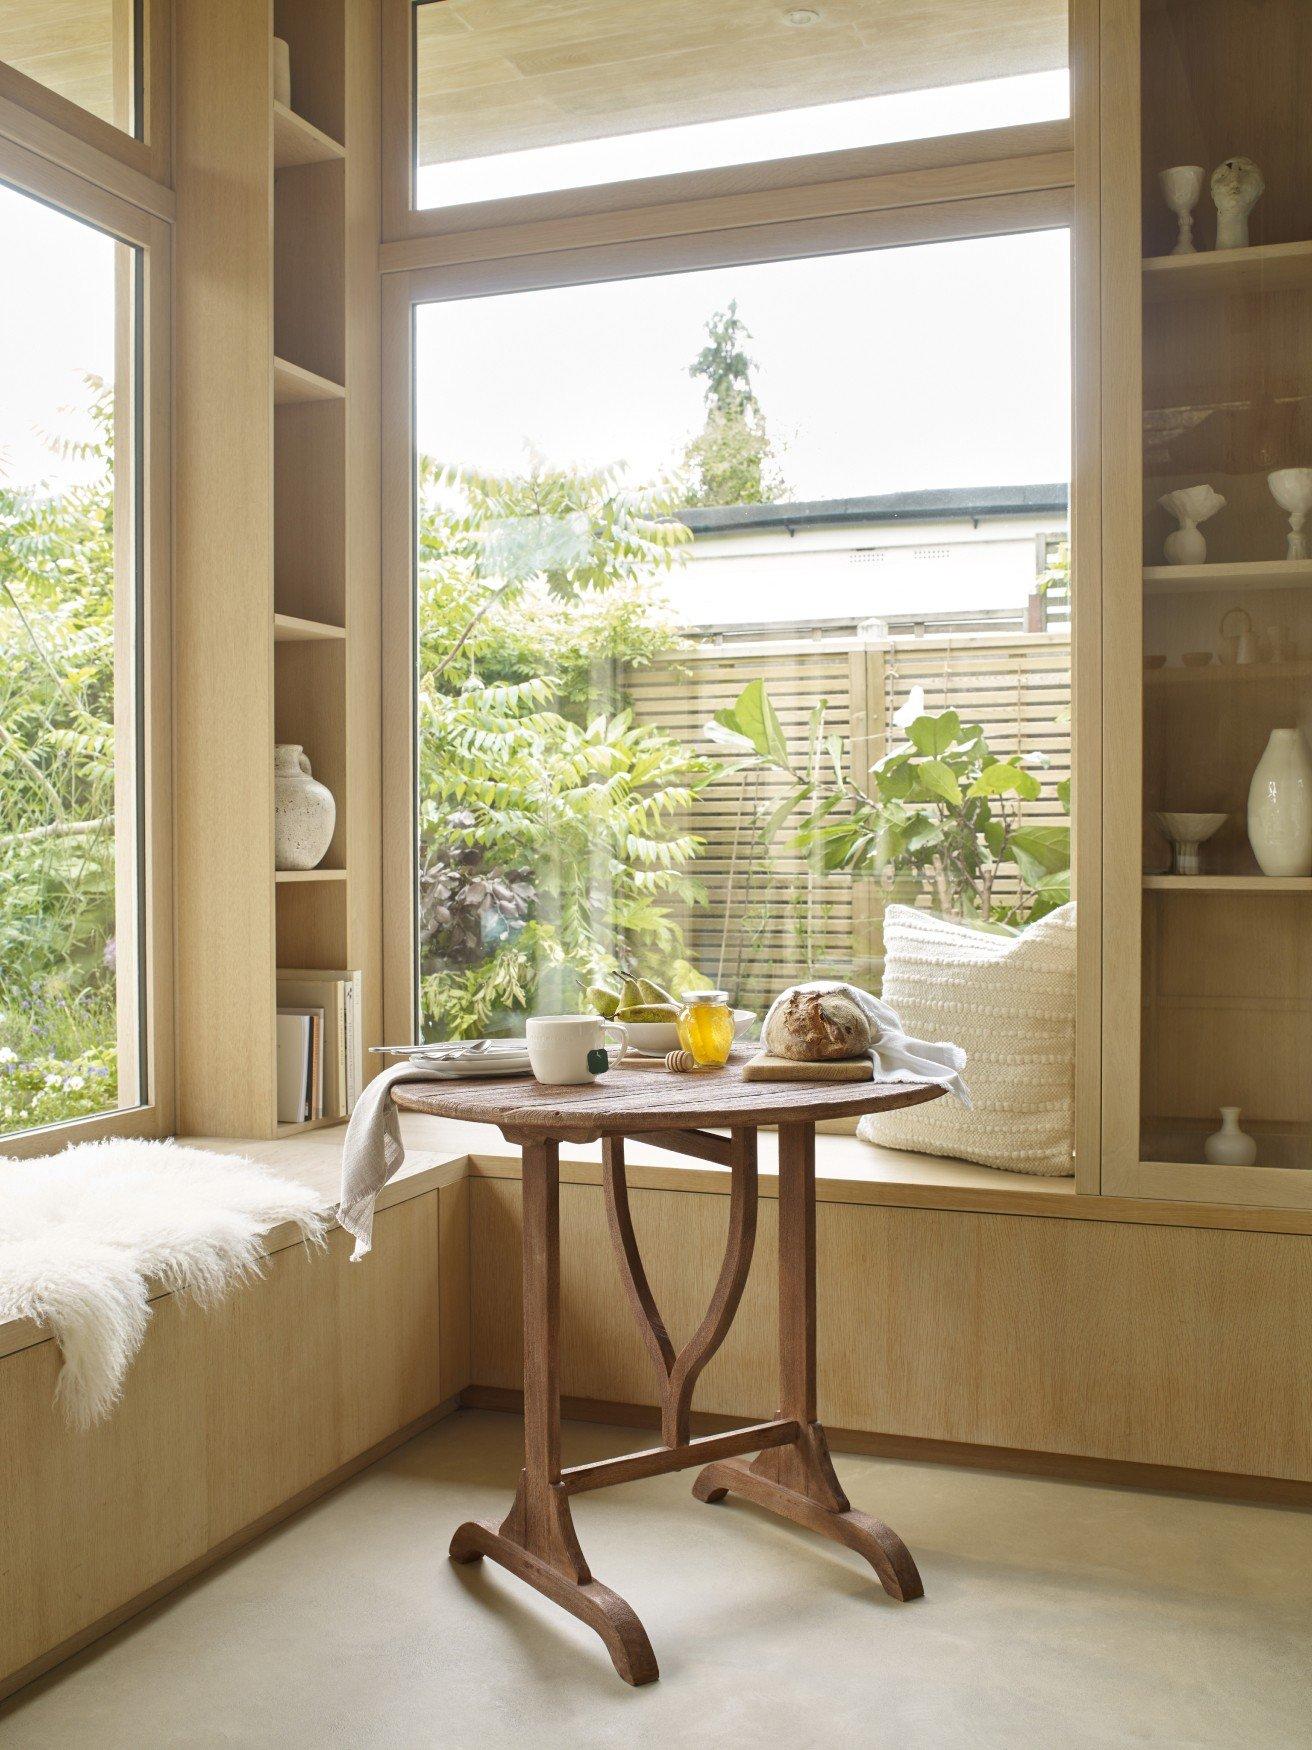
(792, 1474)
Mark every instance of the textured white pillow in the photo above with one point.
(1009, 1002)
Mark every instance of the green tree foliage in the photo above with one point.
(732, 459)
(553, 849)
(944, 813)
(57, 1013)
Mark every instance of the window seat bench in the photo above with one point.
(965, 1315)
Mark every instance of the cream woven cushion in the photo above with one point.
(1009, 1002)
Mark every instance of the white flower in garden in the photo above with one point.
(8, 1054)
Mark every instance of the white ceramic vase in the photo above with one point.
(1280, 806)
(1230, 1146)
(1236, 189)
(1189, 505)
(304, 812)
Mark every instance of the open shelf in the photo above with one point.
(1268, 267)
(1248, 574)
(307, 1124)
(1222, 673)
(297, 142)
(291, 629)
(285, 877)
(1227, 883)
(293, 385)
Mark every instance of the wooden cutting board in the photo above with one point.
(787, 1069)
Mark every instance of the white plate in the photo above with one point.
(480, 1068)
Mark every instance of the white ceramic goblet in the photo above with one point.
(1189, 505)
(1181, 186)
(1186, 833)
(1292, 490)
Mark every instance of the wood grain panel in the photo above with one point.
(391, 1314)
(87, 1520)
(223, 569)
(507, 77)
(227, 1415)
(951, 1326)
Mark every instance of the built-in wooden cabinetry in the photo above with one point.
(277, 531)
(1206, 377)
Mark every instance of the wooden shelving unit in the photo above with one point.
(311, 629)
(1259, 884)
(275, 547)
(293, 385)
(1225, 273)
(1210, 969)
(1249, 574)
(297, 142)
(1227, 674)
(291, 629)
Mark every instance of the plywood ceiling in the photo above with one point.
(505, 75)
(68, 46)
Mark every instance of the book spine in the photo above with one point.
(351, 1036)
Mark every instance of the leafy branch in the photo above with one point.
(943, 809)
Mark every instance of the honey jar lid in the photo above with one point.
(706, 996)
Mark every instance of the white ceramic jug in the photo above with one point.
(1280, 806)
(304, 812)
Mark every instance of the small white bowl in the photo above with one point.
(656, 1038)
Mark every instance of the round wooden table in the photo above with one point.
(792, 1474)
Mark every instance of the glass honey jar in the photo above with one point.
(706, 1026)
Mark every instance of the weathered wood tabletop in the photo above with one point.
(631, 1099)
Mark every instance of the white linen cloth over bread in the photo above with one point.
(896, 1057)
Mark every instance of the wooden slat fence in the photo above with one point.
(769, 921)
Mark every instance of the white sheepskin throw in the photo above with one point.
(87, 1234)
(1010, 1001)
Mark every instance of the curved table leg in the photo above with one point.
(603, 1610)
(798, 1481)
(536, 1540)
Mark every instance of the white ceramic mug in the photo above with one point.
(566, 1050)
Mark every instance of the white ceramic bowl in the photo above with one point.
(655, 1038)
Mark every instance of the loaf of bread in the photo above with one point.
(816, 1026)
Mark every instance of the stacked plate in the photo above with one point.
(466, 1060)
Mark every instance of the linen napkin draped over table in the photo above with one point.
(373, 1151)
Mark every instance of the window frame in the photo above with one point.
(33, 115)
(971, 199)
(55, 185)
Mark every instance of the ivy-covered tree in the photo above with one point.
(732, 459)
(552, 837)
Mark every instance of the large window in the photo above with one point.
(733, 587)
(71, 1010)
(518, 100)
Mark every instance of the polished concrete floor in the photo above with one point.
(1056, 1615)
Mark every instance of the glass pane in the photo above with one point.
(1227, 616)
(86, 50)
(686, 553)
(70, 1007)
(514, 99)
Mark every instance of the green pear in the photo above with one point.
(604, 1000)
(653, 993)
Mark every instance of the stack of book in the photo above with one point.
(320, 1059)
